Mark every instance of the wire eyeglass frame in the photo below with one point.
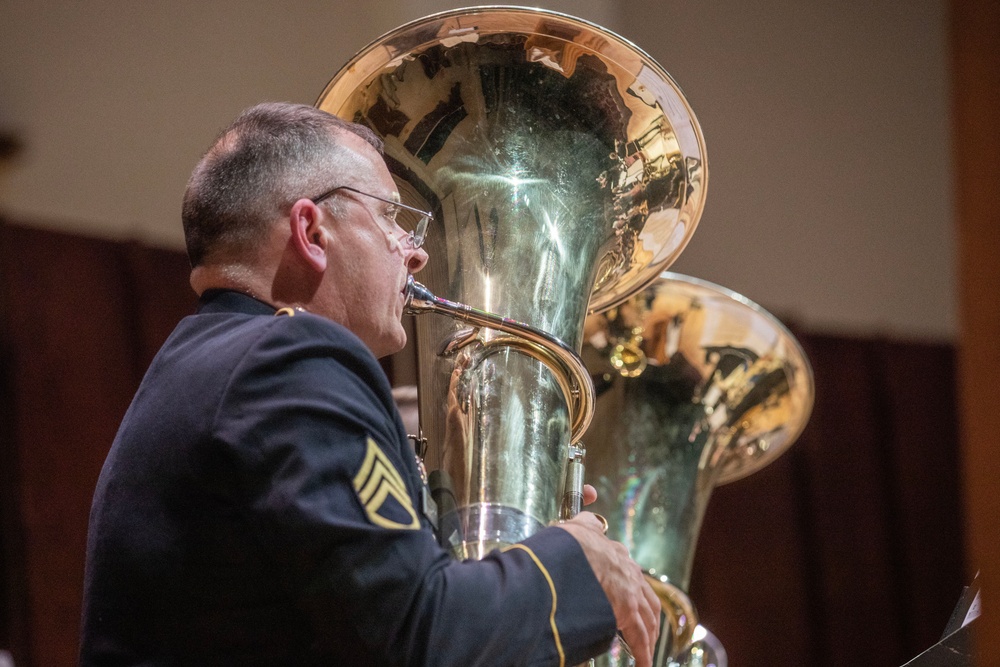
(414, 239)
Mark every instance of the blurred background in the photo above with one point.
(851, 193)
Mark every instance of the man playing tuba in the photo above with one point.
(260, 504)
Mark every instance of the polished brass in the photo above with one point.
(678, 611)
(566, 366)
(565, 170)
(726, 389)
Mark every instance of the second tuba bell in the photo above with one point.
(696, 386)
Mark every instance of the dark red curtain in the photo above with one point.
(846, 550)
(81, 319)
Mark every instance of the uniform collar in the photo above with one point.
(229, 301)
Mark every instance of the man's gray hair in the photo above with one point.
(270, 156)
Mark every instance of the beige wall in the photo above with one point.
(826, 123)
(828, 140)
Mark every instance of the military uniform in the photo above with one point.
(259, 506)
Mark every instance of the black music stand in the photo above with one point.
(955, 649)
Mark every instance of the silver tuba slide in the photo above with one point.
(696, 386)
(565, 171)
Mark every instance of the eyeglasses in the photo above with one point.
(414, 239)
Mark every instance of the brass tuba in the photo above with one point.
(696, 386)
(565, 170)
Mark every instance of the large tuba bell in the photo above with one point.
(696, 386)
(565, 170)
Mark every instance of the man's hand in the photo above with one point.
(636, 607)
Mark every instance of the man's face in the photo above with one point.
(369, 258)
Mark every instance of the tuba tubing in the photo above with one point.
(680, 615)
(570, 372)
(574, 380)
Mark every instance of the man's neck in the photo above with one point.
(234, 277)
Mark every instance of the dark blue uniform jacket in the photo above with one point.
(259, 507)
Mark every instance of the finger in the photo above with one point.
(648, 610)
(589, 494)
(644, 617)
(653, 621)
(639, 645)
(590, 520)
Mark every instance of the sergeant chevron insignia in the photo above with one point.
(382, 492)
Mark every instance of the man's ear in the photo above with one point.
(309, 238)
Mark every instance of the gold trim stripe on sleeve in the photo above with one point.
(552, 587)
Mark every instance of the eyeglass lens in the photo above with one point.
(416, 237)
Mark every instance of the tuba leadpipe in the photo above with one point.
(567, 367)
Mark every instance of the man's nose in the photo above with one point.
(416, 260)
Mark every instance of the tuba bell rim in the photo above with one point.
(400, 42)
(730, 471)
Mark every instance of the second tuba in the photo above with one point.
(697, 386)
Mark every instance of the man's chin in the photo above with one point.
(391, 345)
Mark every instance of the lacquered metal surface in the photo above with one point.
(567, 367)
(554, 155)
(488, 109)
(725, 389)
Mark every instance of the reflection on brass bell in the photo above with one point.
(628, 359)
